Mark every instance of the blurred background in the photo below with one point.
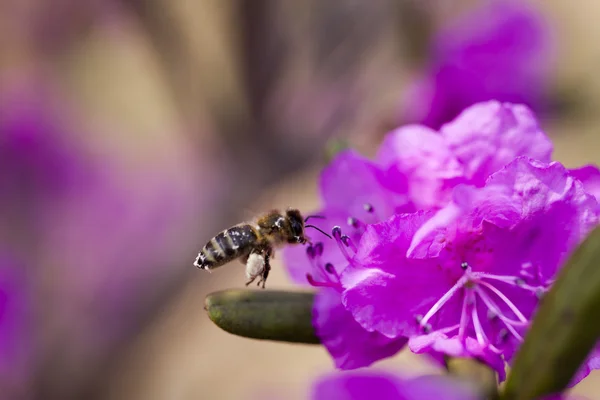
(131, 131)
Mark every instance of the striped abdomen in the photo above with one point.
(226, 246)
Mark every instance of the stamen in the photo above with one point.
(464, 265)
(508, 323)
(519, 282)
(479, 332)
(368, 208)
(315, 283)
(349, 243)
(514, 332)
(337, 234)
(506, 300)
(510, 280)
(524, 274)
(310, 252)
(502, 335)
(496, 310)
(355, 223)
(443, 300)
(448, 329)
(464, 319)
(540, 293)
(330, 269)
(318, 247)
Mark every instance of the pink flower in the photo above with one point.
(425, 183)
(364, 200)
(466, 280)
(500, 50)
(481, 140)
(387, 386)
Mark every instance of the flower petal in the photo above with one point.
(438, 343)
(358, 386)
(500, 50)
(589, 175)
(557, 214)
(341, 334)
(350, 181)
(385, 386)
(421, 156)
(384, 290)
(488, 135)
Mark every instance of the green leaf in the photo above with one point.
(264, 314)
(564, 329)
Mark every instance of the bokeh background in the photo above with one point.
(131, 131)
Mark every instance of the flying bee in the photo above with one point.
(254, 243)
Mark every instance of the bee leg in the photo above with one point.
(263, 278)
(255, 266)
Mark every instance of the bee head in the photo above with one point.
(296, 224)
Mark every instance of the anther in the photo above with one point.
(539, 293)
(491, 315)
(426, 328)
(502, 335)
(353, 222)
(525, 274)
(310, 252)
(330, 268)
(519, 282)
(368, 208)
(349, 243)
(318, 247)
(464, 265)
(336, 232)
(418, 318)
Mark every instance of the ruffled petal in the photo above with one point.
(557, 214)
(589, 175)
(385, 386)
(437, 343)
(358, 386)
(488, 135)
(421, 156)
(500, 50)
(384, 290)
(349, 344)
(350, 181)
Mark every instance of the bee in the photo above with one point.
(253, 243)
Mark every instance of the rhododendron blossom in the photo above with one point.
(387, 386)
(466, 280)
(497, 50)
(446, 241)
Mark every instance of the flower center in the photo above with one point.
(483, 291)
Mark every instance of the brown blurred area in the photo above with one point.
(245, 94)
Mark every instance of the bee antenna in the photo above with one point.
(313, 216)
(312, 226)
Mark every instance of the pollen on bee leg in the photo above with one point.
(255, 266)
